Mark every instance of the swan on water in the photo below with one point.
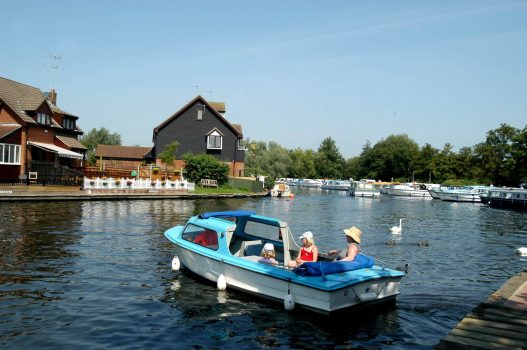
(397, 230)
(522, 251)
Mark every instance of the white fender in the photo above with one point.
(289, 302)
(222, 283)
(176, 264)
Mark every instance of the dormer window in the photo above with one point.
(68, 124)
(214, 140)
(43, 118)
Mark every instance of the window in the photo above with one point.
(9, 154)
(202, 236)
(43, 118)
(241, 145)
(214, 140)
(68, 124)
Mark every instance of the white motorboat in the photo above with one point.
(365, 188)
(280, 189)
(411, 190)
(312, 183)
(224, 248)
(340, 185)
(464, 194)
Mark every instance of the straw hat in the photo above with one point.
(354, 233)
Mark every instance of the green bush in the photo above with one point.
(204, 166)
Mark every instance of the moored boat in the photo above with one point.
(224, 248)
(464, 194)
(506, 198)
(280, 189)
(411, 190)
(365, 188)
(340, 185)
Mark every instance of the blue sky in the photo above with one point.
(293, 72)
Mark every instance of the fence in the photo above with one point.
(133, 184)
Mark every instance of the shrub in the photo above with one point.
(204, 166)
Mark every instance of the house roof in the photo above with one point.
(127, 152)
(71, 142)
(20, 98)
(6, 129)
(191, 103)
(218, 106)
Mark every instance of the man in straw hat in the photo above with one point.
(353, 238)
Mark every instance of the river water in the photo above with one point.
(97, 274)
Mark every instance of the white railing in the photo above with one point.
(136, 184)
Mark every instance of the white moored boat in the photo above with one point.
(411, 190)
(340, 185)
(365, 188)
(224, 248)
(280, 189)
(464, 194)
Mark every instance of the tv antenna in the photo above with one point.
(55, 65)
(197, 89)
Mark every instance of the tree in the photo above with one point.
(424, 165)
(95, 137)
(519, 153)
(204, 166)
(329, 162)
(389, 159)
(495, 157)
(169, 155)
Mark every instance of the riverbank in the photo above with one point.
(34, 194)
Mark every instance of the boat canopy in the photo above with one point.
(226, 214)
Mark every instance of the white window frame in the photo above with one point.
(212, 136)
(9, 154)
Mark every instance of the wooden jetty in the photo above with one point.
(498, 323)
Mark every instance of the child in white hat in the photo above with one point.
(308, 252)
(268, 254)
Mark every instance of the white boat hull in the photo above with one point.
(408, 193)
(460, 197)
(365, 193)
(264, 285)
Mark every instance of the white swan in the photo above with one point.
(397, 230)
(522, 251)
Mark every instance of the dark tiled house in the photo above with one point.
(35, 135)
(201, 127)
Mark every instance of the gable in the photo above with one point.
(209, 108)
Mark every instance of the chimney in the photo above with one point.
(53, 97)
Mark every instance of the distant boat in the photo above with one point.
(280, 189)
(435, 192)
(464, 194)
(506, 198)
(340, 185)
(412, 189)
(311, 183)
(365, 188)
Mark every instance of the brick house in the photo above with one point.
(124, 157)
(37, 138)
(201, 127)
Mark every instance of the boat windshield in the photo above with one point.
(201, 236)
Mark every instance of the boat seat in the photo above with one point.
(251, 248)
